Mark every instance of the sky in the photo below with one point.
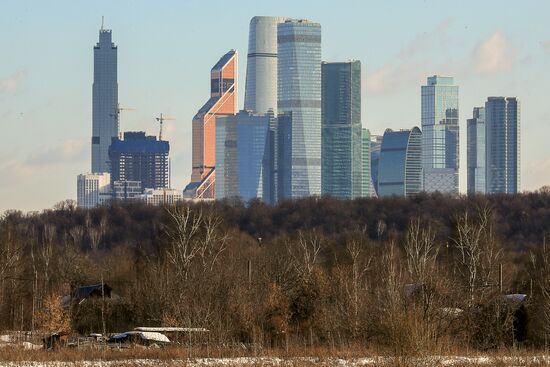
(167, 48)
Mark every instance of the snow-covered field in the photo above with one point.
(306, 361)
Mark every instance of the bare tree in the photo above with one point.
(478, 250)
(46, 252)
(183, 233)
(95, 237)
(304, 252)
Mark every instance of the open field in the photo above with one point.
(12, 357)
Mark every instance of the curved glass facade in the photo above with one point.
(400, 163)
(261, 68)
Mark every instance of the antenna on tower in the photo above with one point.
(102, 19)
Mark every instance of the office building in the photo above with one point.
(261, 68)
(341, 164)
(476, 151)
(222, 101)
(227, 171)
(299, 99)
(126, 190)
(366, 179)
(161, 196)
(400, 164)
(140, 158)
(93, 189)
(375, 146)
(440, 134)
(104, 101)
(244, 156)
(502, 129)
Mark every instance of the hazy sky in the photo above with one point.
(166, 50)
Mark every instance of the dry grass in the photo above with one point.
(299, 357)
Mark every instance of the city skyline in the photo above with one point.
(59, 157)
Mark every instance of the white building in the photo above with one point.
(261, 69)
(93, 189)
(161, 196)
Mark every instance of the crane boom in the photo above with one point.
(116, 115)
(161, 119)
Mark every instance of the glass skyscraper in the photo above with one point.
(227, 179)
(104, 101)
(341, 129)
(476, 151)
(366, 180)
(244, 159)
(375, 145)
(299, 98)
(400, 165)
(440, 135)
(502, 124)
(261, 68)
(222, 101)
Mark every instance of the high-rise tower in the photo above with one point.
(502, 129)
(341, 129)
(223, 100)
(440, 135)
(261, 68)
(400, 165)
(299, 100)
(104, 101)
(476, 151)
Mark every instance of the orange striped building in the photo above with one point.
(222, 102)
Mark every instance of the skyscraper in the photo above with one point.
(104, 101)
(400, 165)
(244, 157)
(223, 101)
(476, 151)
(261, 68)
(140, 158)
(502, 128)
(299, 98)
(366, 180)
(375, 146)
(227, 170)
(341, 129)
(440, 135)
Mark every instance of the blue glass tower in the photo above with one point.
(244, 158)
(502, 119)
(104, 101)
(400, 165)
(341, 129)
(299, 98)
(440, 134)
(375, 145)
(476, 151)
(366, 180)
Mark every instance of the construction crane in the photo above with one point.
(161, 119)
(116, 115)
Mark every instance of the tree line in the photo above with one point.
(431, 272)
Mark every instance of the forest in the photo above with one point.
(430, 272)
